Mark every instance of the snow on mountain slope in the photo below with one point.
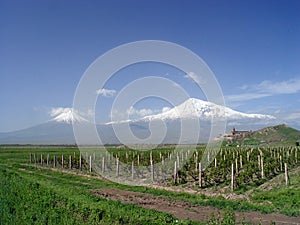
(66, 115)
(198, 109)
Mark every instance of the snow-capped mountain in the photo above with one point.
(59, 129)
(198, 109)
(66, 115)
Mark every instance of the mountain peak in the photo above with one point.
(196, 108)
(66, 115)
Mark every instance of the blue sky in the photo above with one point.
(252, 47)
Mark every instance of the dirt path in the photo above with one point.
(183, 210)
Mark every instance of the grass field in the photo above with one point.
(34, 195)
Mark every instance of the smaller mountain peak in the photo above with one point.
(66, 115)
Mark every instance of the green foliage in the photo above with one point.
(227, 218)
(26, 202)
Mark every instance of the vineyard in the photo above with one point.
(234, 167)
(62, 185)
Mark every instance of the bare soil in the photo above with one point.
(184, 210)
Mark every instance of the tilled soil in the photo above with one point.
(184, 210)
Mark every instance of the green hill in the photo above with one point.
(279, 134)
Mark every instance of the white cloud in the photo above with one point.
(106, 92)
(292, 116)
(264, 89)
(139, 112)
(193, 76)
(284, 87)
(165, 109)
(58, 110)
(245, 97)
(136, 113)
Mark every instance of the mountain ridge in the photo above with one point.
(194, 108)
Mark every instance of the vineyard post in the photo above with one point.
(232, 177)
(54, 161)
(34, 157)
(103, 164)
(241, 161)
(162, 167)
(200, 174)
(262, 168)
(117, 168)
(236, 165)
(286, 174)
(138, 159)
(132, 169)
(280, 162)
(296, 154)
(62, 161)
(90, 163)
(175, 172)
(80, 162)
(152, 169)
(248, 156)
(178, 160)
(196, 161)
(48, 159)
(41, 159)
(70, 162)
(215, 163)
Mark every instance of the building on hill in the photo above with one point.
(237, 135)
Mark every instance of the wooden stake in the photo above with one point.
(196, 161)
(62, 161)
(48, 158)
(241, 161)
(117, 169)
(175, 172)
(286, 174)
(132, 169)
(90, 163)
(152, 170)
(54, 161)
(80, 162)
(262, 168)
(232, 177)
(200, 174)
(70, 162)
(103, 164)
